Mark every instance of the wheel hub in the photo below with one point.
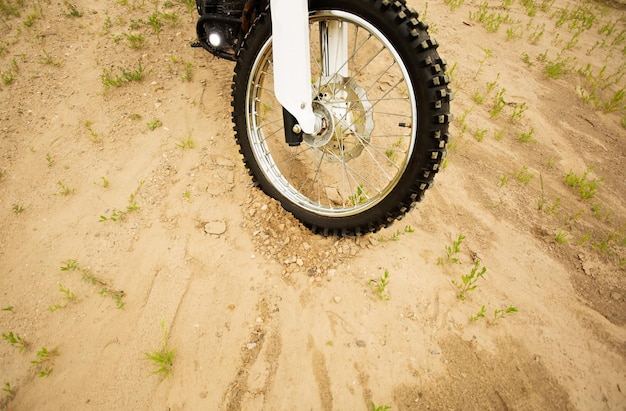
(324, 122)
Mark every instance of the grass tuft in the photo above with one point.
(162, 359)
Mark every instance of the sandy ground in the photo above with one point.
(109, 229)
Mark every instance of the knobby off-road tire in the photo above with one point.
(391, 109)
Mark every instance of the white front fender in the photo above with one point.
(292, 64)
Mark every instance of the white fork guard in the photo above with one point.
(292, 63)
(292, 57)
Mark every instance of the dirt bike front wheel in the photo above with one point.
(386, 106)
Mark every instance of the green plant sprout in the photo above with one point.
(70, 265)
(17, 209)
(154, 124)
(543, 203)
(518, 113)
(524, 176)
(47, 59)
(497, 314)
(396, 236)
(44, 355)
(116, 295)
(45, 373)
(561, 237)
(454, 4)
(468, 282)
(498, 104)
(120, 215)
(64, 190)
(155, 22)
(451, 72)
(68, 296)
(8, 9)
(189, 4)
(599, 213)
(585, 186)
(463, 121)
(186, 143)
(526, 137)
(513, 33)
(106, 26)
(542, 199)
(480, 314)
(15, 340)
(110, 79)
(491, 85)
(479, 134)
(504, 178)
(526, 60)
(584, 239)
(10, 308)
(170, 18)
(499, 134)
(188, 72)
(610, 243)
(555, 69)
(135, 41)
(163, 359)
(49, 160)
(491, 21)
(488, 54)
(8, 77)
(9, 390)
(72, 10)
(132, 204)
(478, 98)
(30, 20)
(87, 276)
(382, 407)
(104, 183)
(94, 135)
(453, 250)
(379, 286)
(360, 196)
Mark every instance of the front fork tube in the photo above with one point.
(334, 48)
(292, 63)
